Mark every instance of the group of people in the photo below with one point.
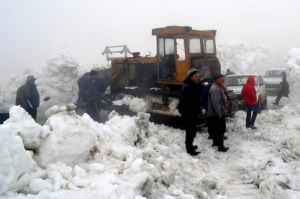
(217, 106)
(28, 96)
(189, 107)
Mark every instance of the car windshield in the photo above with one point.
(240, 80)
(274, 73)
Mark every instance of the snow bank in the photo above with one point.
(70, 137)
(17, 167)
(293, 71)
(57, 81)
(243, 59)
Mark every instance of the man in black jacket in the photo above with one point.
(189, 107)
(91, 92)
(285, 89)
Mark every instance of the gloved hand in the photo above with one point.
(203, 111)
(109, 102)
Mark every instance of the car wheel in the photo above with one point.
(264, 105)
(258, 105)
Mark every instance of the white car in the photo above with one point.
(273, 80)
(236, 83)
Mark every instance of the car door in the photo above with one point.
(263, 92)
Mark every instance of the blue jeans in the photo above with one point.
(251, 120)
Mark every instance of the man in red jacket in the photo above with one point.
(249, 95)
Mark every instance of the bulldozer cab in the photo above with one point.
(182, 48)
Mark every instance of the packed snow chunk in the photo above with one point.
(16, 162)
(139, 185)
(59, 108)
(59, 181)
(123, 130)
(70, 140)
(39, 184)
(62, 168)
(23, 125)
(138, 105)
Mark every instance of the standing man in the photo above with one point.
(189, 107)
(229, 72)
(249, 95)
(92, 91)
(217, 110)
(285, 89)
(28, 96)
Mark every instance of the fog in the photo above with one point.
(33, 31)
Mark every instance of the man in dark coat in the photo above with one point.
(92, 92)
(285, 89)
(189, 107)
(28, 96)
(217, 110)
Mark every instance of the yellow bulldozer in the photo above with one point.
(179, 48)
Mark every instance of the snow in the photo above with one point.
(68, 155)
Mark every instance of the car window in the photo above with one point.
(237, 80)
(274, 73)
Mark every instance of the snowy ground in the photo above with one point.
(130, 157)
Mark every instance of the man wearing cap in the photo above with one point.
(92, 92)
(28, 96)
(217, 110)
(189, 107)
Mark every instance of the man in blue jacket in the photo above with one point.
(189, 107)
(92, 91)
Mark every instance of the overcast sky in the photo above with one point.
(33, 31)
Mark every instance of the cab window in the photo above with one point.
(165, 47)
(194, 44)
(209, 45)
(180, 49)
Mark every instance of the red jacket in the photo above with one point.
(248, 91)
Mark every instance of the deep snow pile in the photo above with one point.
(131, 157)
(57, 81)
(243, 59)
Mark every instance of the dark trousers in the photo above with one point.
(279, 96)
(218, 128)
(93, 108)
(209, 126)
(250, 120)
(190, 131)
(32, 112)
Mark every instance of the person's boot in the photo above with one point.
(223, 149)
(193, 153)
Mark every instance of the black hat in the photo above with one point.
(217, 76)
(93, 72)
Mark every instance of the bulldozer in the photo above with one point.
(179, 48)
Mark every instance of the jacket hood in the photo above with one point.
(251, 80)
